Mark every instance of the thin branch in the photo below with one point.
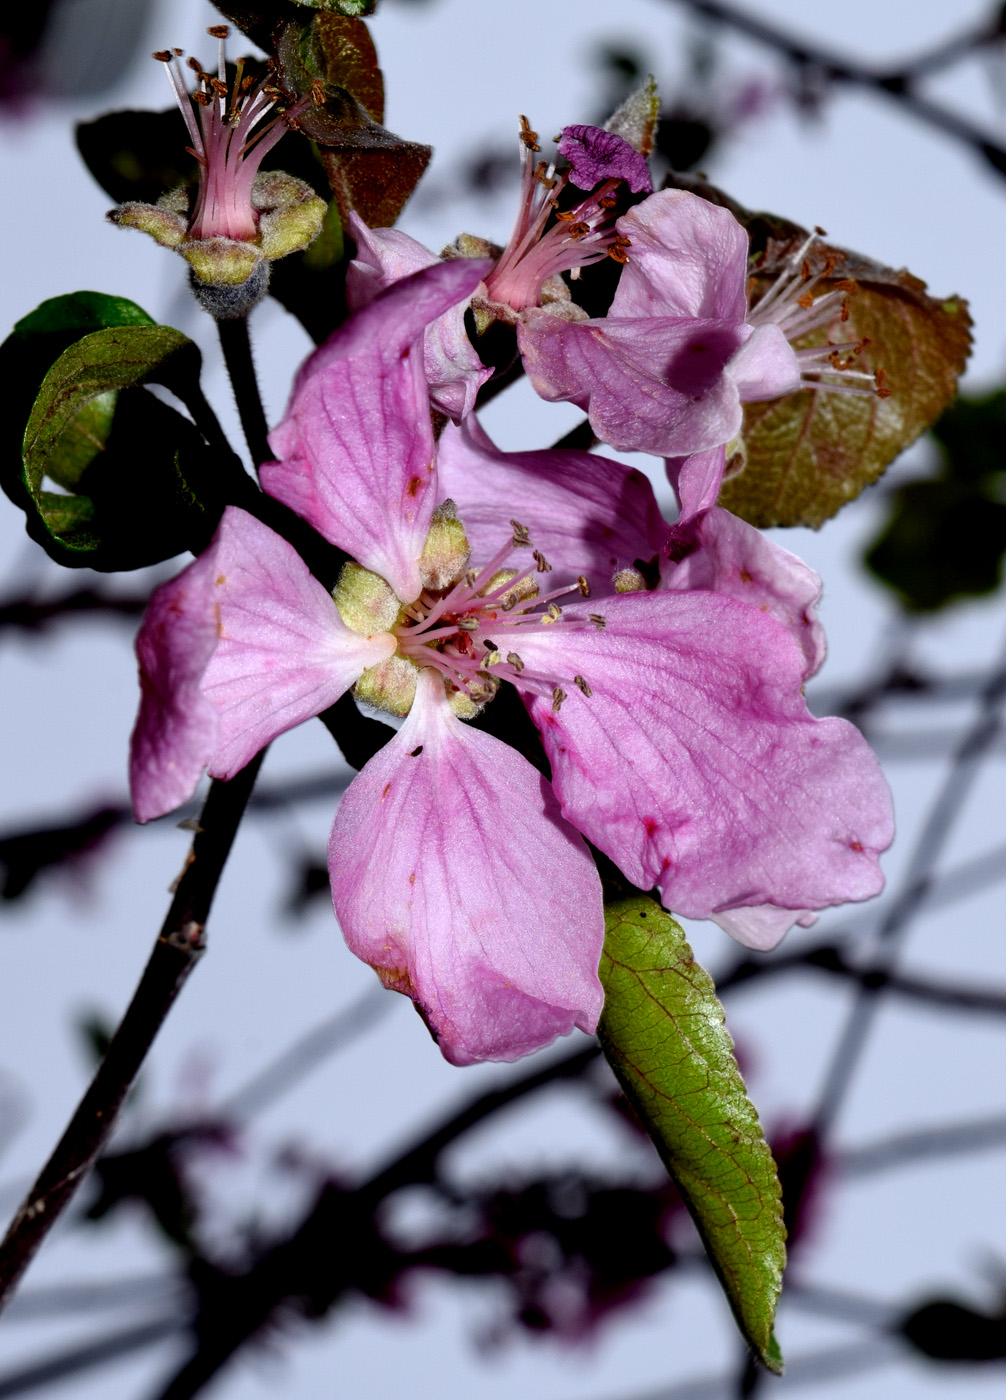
(805, 54)
(179, 946)
(38, 1374)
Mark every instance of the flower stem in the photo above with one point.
(236, 346)
(179, 946)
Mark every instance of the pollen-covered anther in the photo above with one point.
(581, 684)
(521, 537)
(541, 563)
(583, 586)
(218, 31)
(558, 696)
(552, 614)
(527, 136)
(514, 660)
(468, 624)
(492, 658)
(628, 581)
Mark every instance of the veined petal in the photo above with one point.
(687, 257)
(762, 926)
(177, 728)
(765, 367)
(356, 444)
(695, 763)
(648, 384)
(284, 653)
(696, 480)
(721, 553)
(587, 514)
(456, 878)
(453, 369)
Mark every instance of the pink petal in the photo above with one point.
(596, 155)
(587, 514)
(687, 257)
(765, 367)
(284, 653)
(719, 552)
(649, 384)
(695, 763)
(177, 728)
(696, 480)
(356, 444)
(455, 877)
(762, 926)
(453, 369)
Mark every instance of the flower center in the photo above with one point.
(471, 632)
(547, 240)
(228, 139)
(790, 304)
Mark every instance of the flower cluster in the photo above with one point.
(661, 664)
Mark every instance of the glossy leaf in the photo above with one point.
(663, 1034)
(108, 469)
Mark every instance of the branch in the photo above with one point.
(896, 86)
(179, 946)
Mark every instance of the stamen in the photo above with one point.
(515, 661)
(582, 684)
(599, 621)
(583, 586)
(541, 563)
(558, 696)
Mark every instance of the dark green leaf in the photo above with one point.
(133, 476)
(663, 1034)
(29, 352)
(137, 155)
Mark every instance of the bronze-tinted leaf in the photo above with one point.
(812, 452)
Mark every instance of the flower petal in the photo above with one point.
(596, 155)
(695, 763)
(177, 728)
(455, 877)
(762, 926)
(687, 258)
(587, 514)
(284, 653)
(696, 480)
(765, 367)
(649, 384)
(356, 444)
(721, 553)
(453, 369)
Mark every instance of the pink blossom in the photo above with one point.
(672, 718)
(668, 368)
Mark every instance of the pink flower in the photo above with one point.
(673, 719)
(668, 368)
(241, 218)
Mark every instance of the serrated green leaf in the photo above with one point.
(663, 1034)
(124, 460)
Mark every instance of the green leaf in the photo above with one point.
(663, 1034)
(811, 453)
(134, 477)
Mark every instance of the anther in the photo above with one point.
(582, 684)
(493, 658)
(583, 586)
(551, 614)
(599, 621)
(521, 538)
(318, 93)
(821, 232)
(607, 201)
(468, 624)
(579, 229)
(542, 566)
(558, 696)
(515, 661)
(218, 31)
(884, 391)
(805, 271)
(162, 55)
(529, 137)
